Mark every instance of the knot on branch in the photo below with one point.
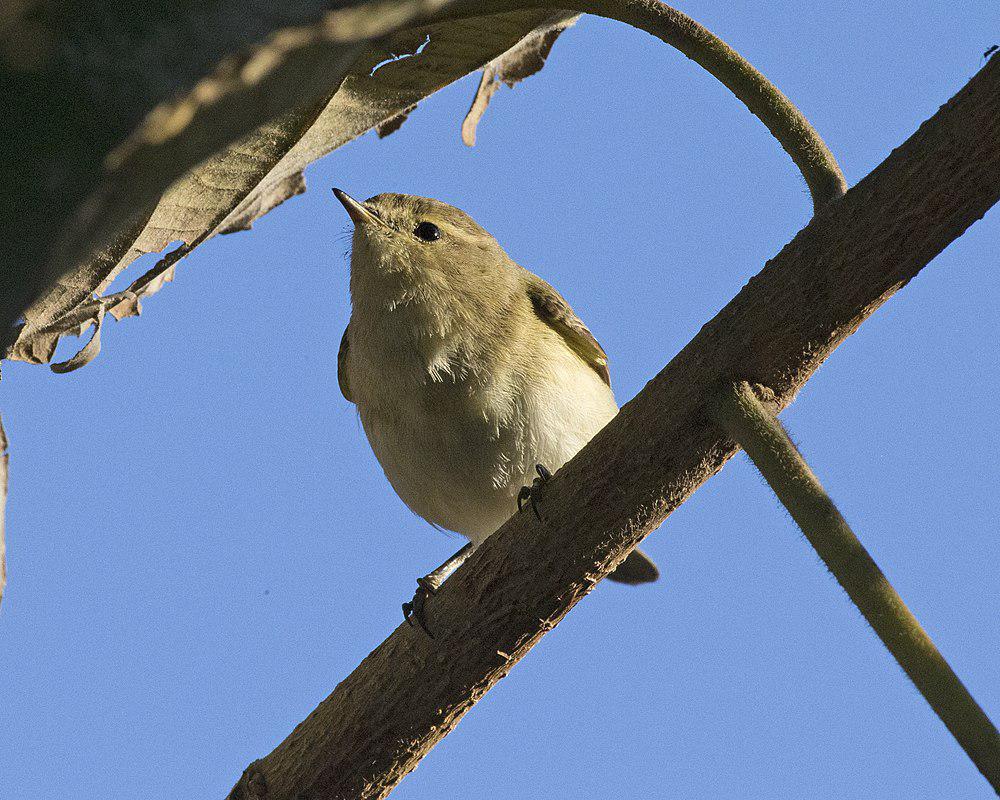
(252, 785)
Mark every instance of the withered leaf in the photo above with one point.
(392, 125)
(522, 61)
(230, 190)
(89, 351)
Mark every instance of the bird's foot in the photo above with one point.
(414, 610)
(529, 493)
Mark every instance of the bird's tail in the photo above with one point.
(636, 568)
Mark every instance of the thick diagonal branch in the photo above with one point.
(411, 690)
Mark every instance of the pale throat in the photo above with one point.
(412, 324)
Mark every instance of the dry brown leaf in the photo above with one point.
(522, 61)
(392, 125)
(247, 179)
(90, 350)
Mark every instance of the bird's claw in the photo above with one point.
(528, 493)
(414, 610)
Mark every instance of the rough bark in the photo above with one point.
(855, 254)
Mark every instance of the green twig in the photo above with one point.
(763, 99)
(764, 439)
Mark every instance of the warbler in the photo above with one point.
(471, 375)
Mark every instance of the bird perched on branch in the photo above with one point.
(472, 376)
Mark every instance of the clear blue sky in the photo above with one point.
(201, 544)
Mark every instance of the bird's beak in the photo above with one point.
(358, 212)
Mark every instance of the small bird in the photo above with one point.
(472, 376)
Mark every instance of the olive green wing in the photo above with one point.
(345, 344)
(555, 312)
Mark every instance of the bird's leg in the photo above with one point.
(428, 585)
(528, 492)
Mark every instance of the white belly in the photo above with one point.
(457, 451)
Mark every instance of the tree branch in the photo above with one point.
(411, 690)
(763, 99)
(765, 441)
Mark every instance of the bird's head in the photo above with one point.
(418, 235)
(410, 249)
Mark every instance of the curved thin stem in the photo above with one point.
(763, 99)
(762, 436)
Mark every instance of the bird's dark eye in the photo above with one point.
(427, 231)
